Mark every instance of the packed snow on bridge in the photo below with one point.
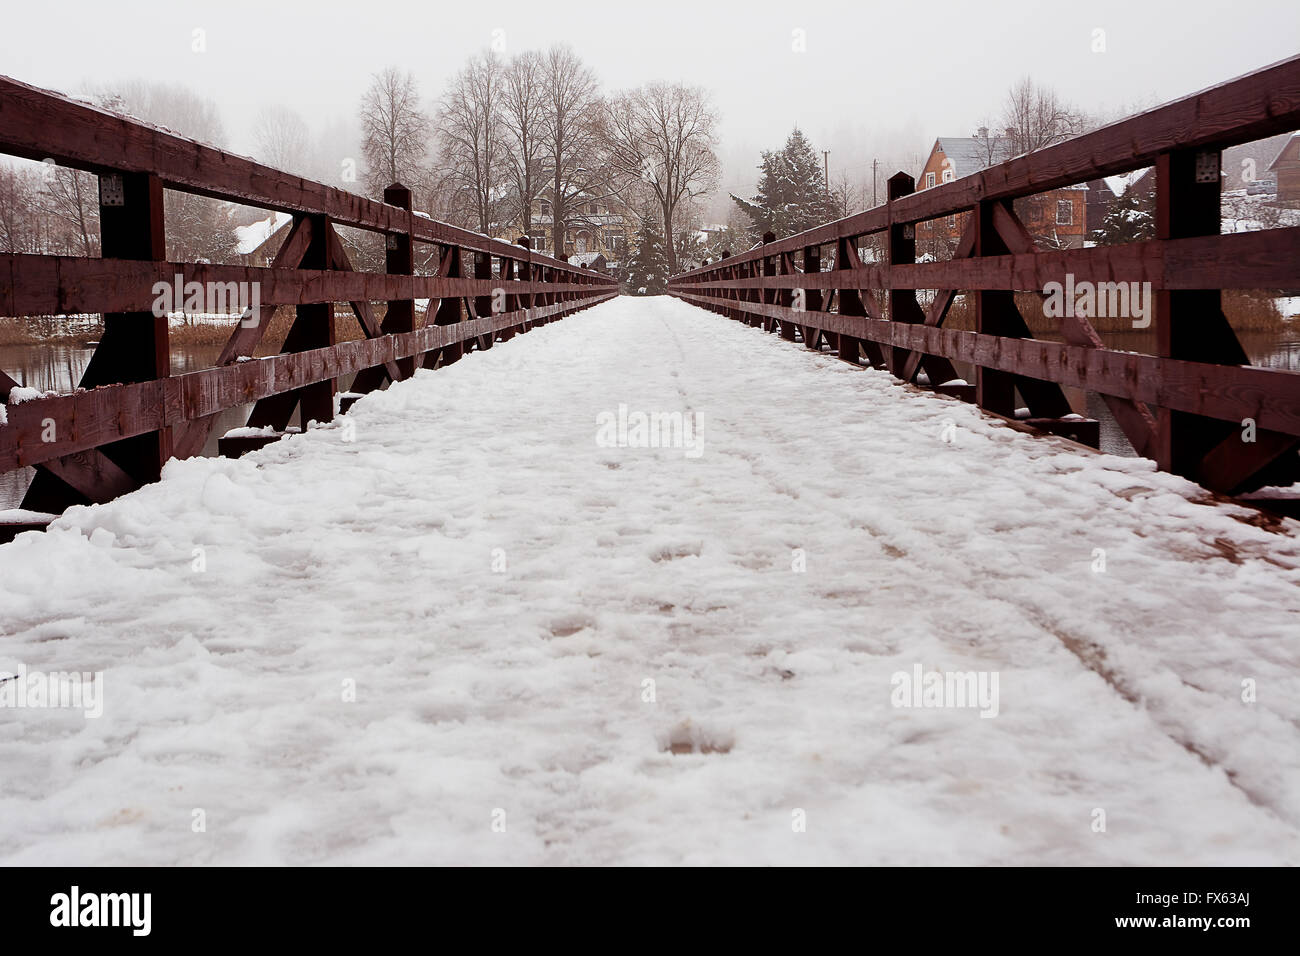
(846, 622)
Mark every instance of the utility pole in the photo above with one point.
(874, 164)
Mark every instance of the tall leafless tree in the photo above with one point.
(473, 134)
(524, 121)
(394, 131)
(571, 113)
(283, 139)
(663, 134)
(1035, 117)
(72, 197)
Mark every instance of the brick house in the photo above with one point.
(1059, 216)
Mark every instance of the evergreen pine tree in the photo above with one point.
(647, 267)
(1128, 218)
(791, 193)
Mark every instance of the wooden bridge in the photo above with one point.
(1197, 406)
(366, 651)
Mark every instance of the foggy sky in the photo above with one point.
(875, 77)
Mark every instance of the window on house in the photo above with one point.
(929, 180)
(952, 222)
(592, 209)
(949, 175)
(1064, 212)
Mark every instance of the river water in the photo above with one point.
(59, 367)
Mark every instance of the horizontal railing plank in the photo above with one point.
(1228, 392)
(1268, 259)
(1247, 108)
(62, 285)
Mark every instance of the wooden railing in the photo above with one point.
(1197, 407)
(130, 414)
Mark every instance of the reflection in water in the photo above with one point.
(59, 367)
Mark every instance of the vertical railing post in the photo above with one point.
(525, 299)
(483, 303)
(849, 299)
(994, 312)
(1190, 323)
(135, 346)
(316, 319)
(903, 306)
(399, 259)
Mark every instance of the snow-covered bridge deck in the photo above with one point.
(498, 588)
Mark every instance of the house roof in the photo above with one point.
(251, 238)
(1119, 185)
(1282, 152)
(970, 154)
(584, 258)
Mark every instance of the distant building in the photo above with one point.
(1286, 167)
(1059, 216)
(595, 222)
(258, 243)
(590, 260)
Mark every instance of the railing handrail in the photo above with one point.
(1261, 103)
(41, 125)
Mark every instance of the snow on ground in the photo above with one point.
(519, 696)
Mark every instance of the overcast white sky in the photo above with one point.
(876, 76)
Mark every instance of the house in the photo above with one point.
(1286, 167)
(1058, 216)
(596, 221)
(258, 243)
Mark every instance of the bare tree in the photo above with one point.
(19, 230)
(72, 197)
(846, 198)
(1034, 118)
(394, 131)
(571, 113)
(473, 135)
(198, 228)
(663, 134)
(524, 121)
(282, 138)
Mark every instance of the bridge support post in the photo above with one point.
(903, 306)
(1190, 325)
(483, 303)
(399, 259)
(134, 348)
